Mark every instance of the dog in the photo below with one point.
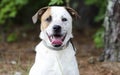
(55, 54)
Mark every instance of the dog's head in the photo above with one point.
(56, 24)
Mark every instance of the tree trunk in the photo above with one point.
(112, 32)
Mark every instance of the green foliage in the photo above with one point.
(101, 4)
(58, 2)
(9, 9)
(98, 38)
(12, 37)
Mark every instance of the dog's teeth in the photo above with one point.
(51, 37)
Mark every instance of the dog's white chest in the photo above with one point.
(49, 62)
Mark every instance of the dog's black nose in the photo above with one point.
(57, 28)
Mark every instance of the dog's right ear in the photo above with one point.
(72, 12)
(39, 14)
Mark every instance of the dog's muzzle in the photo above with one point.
(56, 38)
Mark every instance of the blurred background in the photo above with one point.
(19, 36)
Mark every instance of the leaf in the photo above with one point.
(90, 2)
(99, 17)
(58, 2)
(12, 37)
(12, 14)
(98, 38)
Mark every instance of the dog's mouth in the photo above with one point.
(56, 39)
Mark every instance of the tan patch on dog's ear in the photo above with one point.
(72, 12)
(44, 17)
(39, 14)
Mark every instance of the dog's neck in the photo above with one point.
(57, 48)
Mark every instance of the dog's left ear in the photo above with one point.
(72, 12)
(39, 14)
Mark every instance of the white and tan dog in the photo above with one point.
(55, 54)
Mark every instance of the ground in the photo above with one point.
(16, 58)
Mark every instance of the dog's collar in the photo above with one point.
(56, 48)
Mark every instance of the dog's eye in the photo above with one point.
(49, 19)
(64, 19)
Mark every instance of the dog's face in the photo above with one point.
(56, 25)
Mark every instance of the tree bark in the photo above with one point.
(112, 32)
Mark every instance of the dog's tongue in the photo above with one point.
(57, 41)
